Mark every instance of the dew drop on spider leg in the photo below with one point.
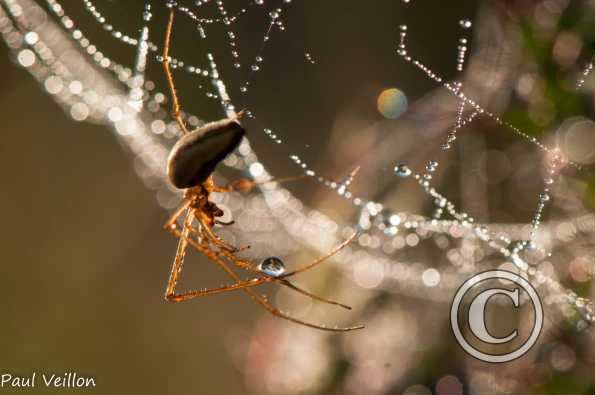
(272, 266)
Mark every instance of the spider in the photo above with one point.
(190, 165)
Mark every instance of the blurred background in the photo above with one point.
(84, 258)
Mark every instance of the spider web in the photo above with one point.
(239, 46)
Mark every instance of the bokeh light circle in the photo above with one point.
(392, 103)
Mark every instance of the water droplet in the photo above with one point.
(402, 170)
(465, 23)
(431, 166)
(272, 266)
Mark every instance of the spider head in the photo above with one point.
(194, 157)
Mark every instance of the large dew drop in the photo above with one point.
(272, 266)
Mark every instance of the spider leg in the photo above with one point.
(184, 240)
(171, 222)
(248, 266)
(227, 250)
(243, 264)
(318, 261)
(180, 254)
(216, 240)
(212, 291)
(170, 79)
(294, 287)
(246, 185)
(245, 286)
(173, 297)
(278, 313)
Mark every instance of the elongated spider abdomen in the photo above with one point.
(194, 157)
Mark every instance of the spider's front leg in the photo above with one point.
(177, 112)
(246, 185)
